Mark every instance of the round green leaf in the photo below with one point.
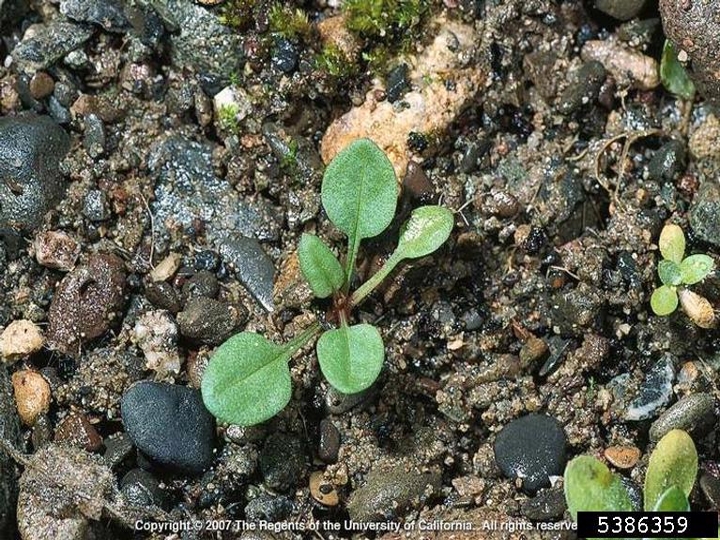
(359, 190)
(320, 266)
(695, 268)
(351, 357)
(591, 487)
(674, 462)
(669, 272)
(664, 300)
(672, 243)
(673, 500)
(247, 380)
(427, 229)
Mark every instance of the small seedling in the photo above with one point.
(247, 380)
(673, 74)
(677, 271)
(591, 487)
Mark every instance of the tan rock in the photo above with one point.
(21, 338)
(323, 491)
(334, 33)
(704, 142)
(428, 108)
(55, 249)
(32, 395)
(166, 268)
(622, 457)
(626, 65)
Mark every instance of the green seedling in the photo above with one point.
(591, 487)
(676, 272)
(673, 74)
(247, 380)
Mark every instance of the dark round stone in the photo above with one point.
(329, 441)
(531, 448)
(282, 461)
(169, 424)
(142, 489)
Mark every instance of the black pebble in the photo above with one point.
(533, 448)
(169, 424)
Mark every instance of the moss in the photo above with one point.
(227, 117)
(333, 61)
(384, 18)
(289, 23)
(238, 14)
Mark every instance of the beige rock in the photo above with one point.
(704, 142)
(626, 65)
(55, 249)
(334, 32)
(428, 108)
(21, 338)
(323, 491)
(32, 395)
(166, 268)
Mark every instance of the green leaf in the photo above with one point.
(591, 487)
(669, 272)
(672, 500)
(351, 357)
(672, 243)
(320, 266)
(674, 462)
(664, 300)
(359, 193)
(673, 74)
(695, 268)
(427, 229)
(247, 380)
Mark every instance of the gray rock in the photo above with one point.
(575, 310)
(694, 413)
(282, 461)
(95, 138)
(339, 403)
(201, 284)
(531, 448)
(254, 268)
(266, 507)
(142, 489)
(547, 505)
(187, 189)
(705, 213)
(10, 432)
(668, 161)
(118, 448)
(96, 206)
(710, 486)
(329, 441)
(108, 14)
(634, 491)
(654, 393)
(622, 10)
(170, 425)
(583, 89)
(31, 148)
(389, 495)
(285, 56)
(201, 42)
(210, 321)
(49, 44)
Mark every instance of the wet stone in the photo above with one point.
(201, 284)
(170, 425)
(547, 505)
(75, 429)
(31, 148)
(623, 10)
(577, 309)
(253, 266)
(142, 489)
(95, 206)
(118, 447)
(397, 82)
(282, 461)
(668, 161)
(705, 213)
(41, 85)
(654, 393)
(86, 303)
(531, 448)
(267, 507)
(694, 413)
(210, 321)
(108, 14)
(389, 495)
(329, 441)
(49, 44)
(162, 295)
(583, 89)
(285, 57)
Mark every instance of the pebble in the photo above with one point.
(285, 56)
(397, 82)
(623, 10)
(162, 295)
(170, 425)
(574, 311)
(531, 448)
(266, 507)
(654, 393)
(95, 139)
(166, 268)
(41, 85)
(282, 461)
(329, 441)
(75, 429)
(668, 161)
(622, 457)
(626, 65)
(323, 491)
(31, 148)
(108, 14)
(48, 44)
(694, 413)
(210, 321)
(118, 448)
(339, 403)
(201, 284)
(389, 494)
(583, 89)
(57, 250)
(95, 206)
(547, 505)
(21, 338)
(253, 266)
(710, 486)
(32, 395)
(156, 334)
(86, 303)
(141, 488)
(705, 213)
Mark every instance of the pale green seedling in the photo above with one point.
(247, 380)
